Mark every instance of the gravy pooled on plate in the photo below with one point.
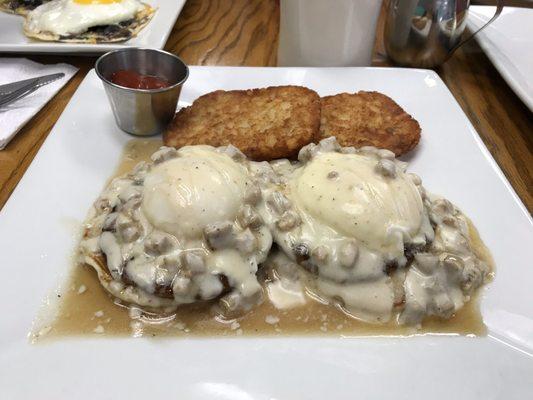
(297, 290)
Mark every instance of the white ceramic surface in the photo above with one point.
(154, 35)
(327, 34)
(508, 42)
(38, 232)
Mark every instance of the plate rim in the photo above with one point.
(500, 60)
(269, 346)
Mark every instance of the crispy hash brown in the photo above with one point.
(368, 119)
(264, 124)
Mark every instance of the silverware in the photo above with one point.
(13, 91)
(425, 33)
(143, 112)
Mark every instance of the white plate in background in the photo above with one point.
(154, 35)
(37, 238)
(508, 42)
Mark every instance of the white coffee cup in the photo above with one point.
(327, 33)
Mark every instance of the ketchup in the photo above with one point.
(134, 80)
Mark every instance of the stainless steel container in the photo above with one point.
(143, 112)
(425, 33)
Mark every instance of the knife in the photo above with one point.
(16, 90)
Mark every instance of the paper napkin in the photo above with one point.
(14, 115)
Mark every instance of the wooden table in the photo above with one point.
(245, 32)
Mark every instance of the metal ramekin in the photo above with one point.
(143, 112)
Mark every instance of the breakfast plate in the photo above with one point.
(153, 35)
(508, 42)
(40, 228)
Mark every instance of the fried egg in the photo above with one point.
(70, 19)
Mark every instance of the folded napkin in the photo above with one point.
(14, 115)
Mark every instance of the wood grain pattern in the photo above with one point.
(245, 32)
(502, 120)
(225, 32)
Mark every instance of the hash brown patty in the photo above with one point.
(265, 124)
(368, 119)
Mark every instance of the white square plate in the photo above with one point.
(508, 42)
(154, 35)
(37, 240)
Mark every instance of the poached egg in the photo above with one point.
(346, 193)
(200, 187)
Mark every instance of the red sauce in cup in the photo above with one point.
(134, 80)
